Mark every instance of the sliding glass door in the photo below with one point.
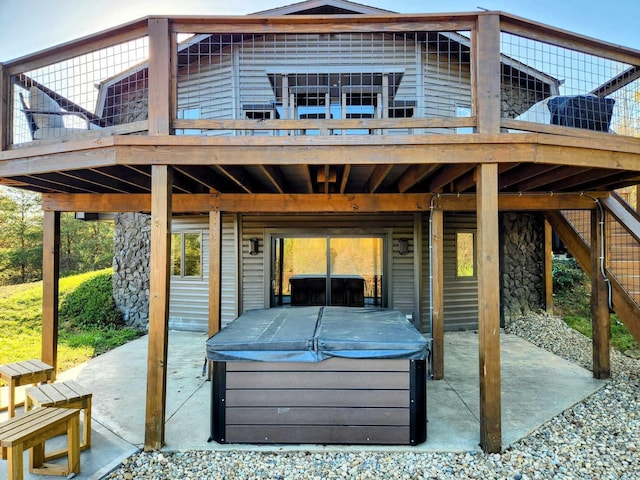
(331, 270)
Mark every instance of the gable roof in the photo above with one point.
(324, 7)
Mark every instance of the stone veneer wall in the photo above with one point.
(132, 245)
(522, 269)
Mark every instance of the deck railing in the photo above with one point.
(300, 75)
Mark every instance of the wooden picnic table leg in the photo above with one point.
(73, 441)
(16, 468)
(12, 398)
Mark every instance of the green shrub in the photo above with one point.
(567, 274)
(91, 305)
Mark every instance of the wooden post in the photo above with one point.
(4, 109)
(159, 76)
(161, 185)
(417, 269)
(600, 317)
(548, 267)
(437, 292)
(50, 288)
(489, 309)
(215, 257)
(487, 101)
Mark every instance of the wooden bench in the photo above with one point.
(31, 430)
(28, 372)
(68, 394)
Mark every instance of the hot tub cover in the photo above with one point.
(312, 334)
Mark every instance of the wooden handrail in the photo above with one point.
(625, 215)
(332, 124)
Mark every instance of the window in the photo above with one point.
(188, 114)
(186, 254)
(463, 111)
(465, 254)
(333, 270)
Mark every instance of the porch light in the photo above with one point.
(403, 246)
(255, 244)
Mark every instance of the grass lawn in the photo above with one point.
(573, 305)
(21, 326)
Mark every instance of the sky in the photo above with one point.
(29, 26)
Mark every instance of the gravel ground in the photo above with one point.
(598, 438)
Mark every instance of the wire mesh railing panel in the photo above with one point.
(319, 77)
(580, 220)
(554, 85)
(623, 258)
(103, 88)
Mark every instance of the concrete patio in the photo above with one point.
(536, 386)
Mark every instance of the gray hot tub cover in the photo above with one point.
(313, 334)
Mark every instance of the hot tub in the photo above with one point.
(319, 375)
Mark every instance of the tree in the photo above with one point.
(20, 236)
(84, 246)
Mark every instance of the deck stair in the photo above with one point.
(622, 254)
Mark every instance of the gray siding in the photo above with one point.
(460, 294)
(245, 277)
(189, 297)
(229, 267)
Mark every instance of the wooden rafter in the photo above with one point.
(378, 175)
(551, 175)
(413, 175)
(274, 175)
(446, 175)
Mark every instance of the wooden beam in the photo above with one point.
(326, 124)
(437, 293)
(50, 288)
(562, 38)
(548, 267)
(600, 318)
(311, 203)
(489, 309)
(326, 24)
(77, 47)
(161, 186)
(159, 76)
